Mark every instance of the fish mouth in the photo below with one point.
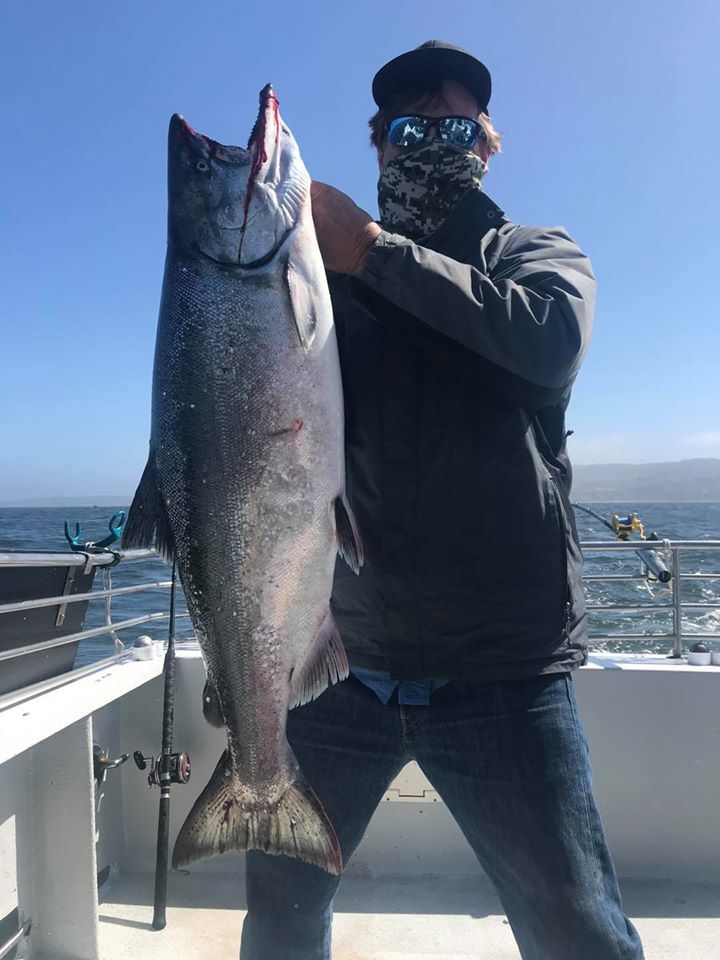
(259, 146)
(234, 242)
(204, 147)
(257, 143)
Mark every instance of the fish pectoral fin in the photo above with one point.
(325, 664)
(301, 286)
(211, 706)
(227, 816)
(147, 524)
(349, 543)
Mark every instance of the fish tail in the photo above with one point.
(221, 819)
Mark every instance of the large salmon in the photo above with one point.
(245, 482)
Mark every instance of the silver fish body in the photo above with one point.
(245, 481)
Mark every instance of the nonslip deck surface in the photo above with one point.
(389, 919)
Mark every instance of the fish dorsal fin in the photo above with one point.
(304, 305)
(147, 523)
(324, 665)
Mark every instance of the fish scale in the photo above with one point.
(244, 484)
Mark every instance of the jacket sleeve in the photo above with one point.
(532, 317)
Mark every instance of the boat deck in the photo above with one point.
(388, 919)
(413, 888)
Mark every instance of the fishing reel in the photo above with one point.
(654, 563)
(623, 527)
(168, 767)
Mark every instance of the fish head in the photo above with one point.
(231, 204)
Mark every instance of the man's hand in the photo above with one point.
(345, 232)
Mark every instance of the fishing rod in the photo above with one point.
(169, 768)
(622, 527)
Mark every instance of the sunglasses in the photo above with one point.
(459, 131)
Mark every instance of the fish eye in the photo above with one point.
(202, 166)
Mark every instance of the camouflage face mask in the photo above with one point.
(418, 189)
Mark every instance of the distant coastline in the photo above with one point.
(680, 481)
(86, 503)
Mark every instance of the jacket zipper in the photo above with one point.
(566, 606)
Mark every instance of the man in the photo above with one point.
(460, 336)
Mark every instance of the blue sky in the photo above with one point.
(610, 122)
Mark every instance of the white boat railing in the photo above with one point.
(105, 562)
(669, 550)
(21, 933)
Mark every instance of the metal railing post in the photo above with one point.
(677, 650)
(675, 604)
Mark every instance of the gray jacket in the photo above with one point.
(458, 358)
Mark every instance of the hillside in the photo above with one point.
(674, 481)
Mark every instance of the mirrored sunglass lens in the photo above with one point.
(405, 131)
(463, 133)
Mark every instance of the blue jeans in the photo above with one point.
(510, 760)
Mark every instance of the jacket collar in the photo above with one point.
(474, 215)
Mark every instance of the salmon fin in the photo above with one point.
(211, 706)
(303, 303)
(325, 664)
(226, 816)
(349, 543)
(147, 524)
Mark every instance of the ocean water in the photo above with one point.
(41, 528)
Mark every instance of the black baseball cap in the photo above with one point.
(437, 60)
